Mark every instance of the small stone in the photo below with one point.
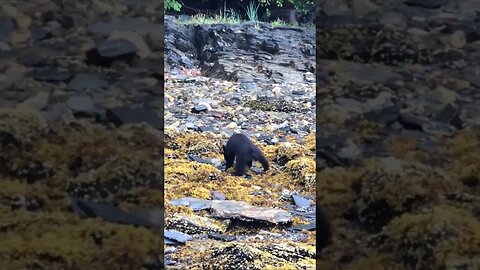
(417, 32)
(458, 39)
(217, 195)
(394, 20)
(51, 75)
(199, 108)
(446, 95)
(232, 125)
(437, 128)
(207, 129)
(363, 7)
(177, 236)
(301, 201)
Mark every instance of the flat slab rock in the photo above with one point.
(238, 210)
(130, 115)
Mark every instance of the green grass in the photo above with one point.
(252, 11)
(216, 19)
(282, 23)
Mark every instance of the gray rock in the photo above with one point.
(363, 7)
(130, 115)
(445, 95)
(51, 75)
(142, 48)
(177, 236)
(87, 81)
(37, 102)
(82, 104)
(332, 7)
(394, 19)
(301, 201)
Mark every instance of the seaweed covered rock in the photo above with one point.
(192, 171)
(336, 189)
(289, 151)
(263, 256)
(21, 127)
(443, 237)
(366, 43)
(63, 240)
(302, 170)
(115, 178)
(275, 105)
(195, 224)
(388, 189)
(121, 166)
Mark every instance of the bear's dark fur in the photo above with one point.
(244, 152)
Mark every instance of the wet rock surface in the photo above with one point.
(397, 108)
(246, 52)
(72, 184)
(222, 79)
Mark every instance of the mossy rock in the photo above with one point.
(385, 194)
(302, 170)
(367, 43)
(21, 127)
(272, 105)
(288, 151)
(441, 237)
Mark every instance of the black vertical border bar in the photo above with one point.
(323, 225)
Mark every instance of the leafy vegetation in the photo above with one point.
(302, 5)
(172, 5)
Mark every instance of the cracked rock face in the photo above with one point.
(277, 54)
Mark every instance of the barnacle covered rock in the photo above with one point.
(275, 105)
(442, 237)
(288, 151)
(302, 170)
(117, 176)
(63, 240)
(194, 224)
(336, 189)
(192, 171)
(388, 189)
(370, 43)
(263, 256)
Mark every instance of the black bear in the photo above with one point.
(244, 152)
(324, 230)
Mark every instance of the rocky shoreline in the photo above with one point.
(265, 221)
